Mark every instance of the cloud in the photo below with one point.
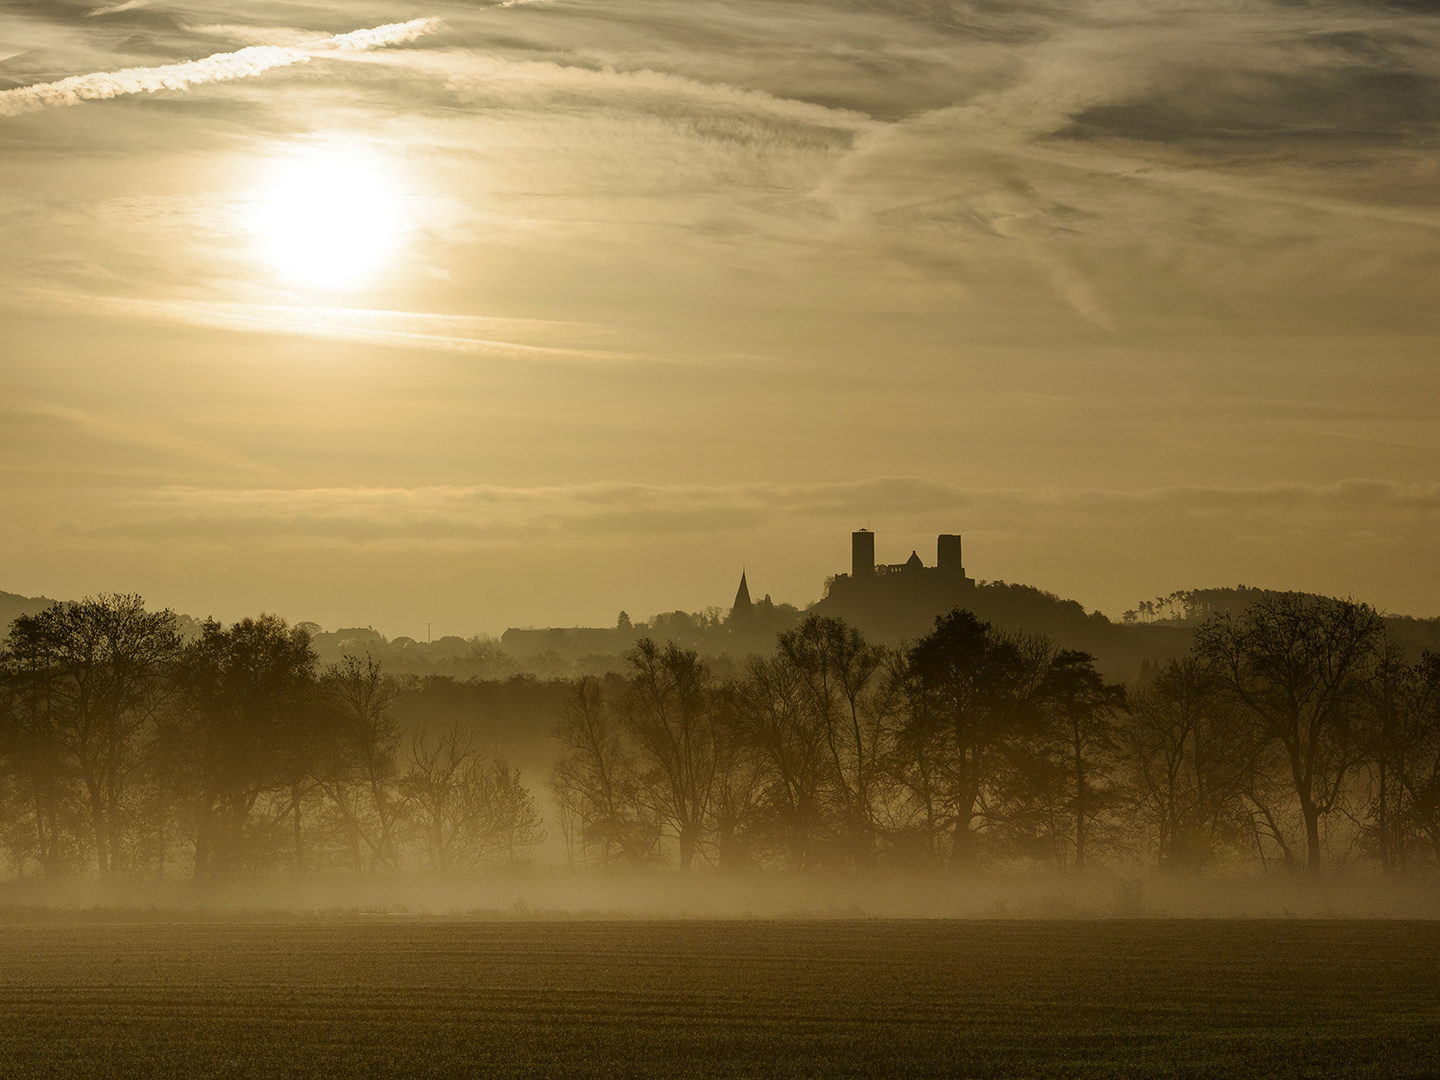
(287, 36)
(456, 334)
(115, 9)
(143, 435)
(219, 67)
(481, 77)
(567, 515)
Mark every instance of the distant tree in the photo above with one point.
(669, 711)
(1189, 760)
(251, 698)
(1403, 741)
(842, 689)
(1421, 768)
(42, 791)
(360, 775)
(742, 834)
(596, 782)
(785, 744)
(974, 695)
(1080, 754)
(1393, 693)
(1300, 668)
(468, 811)
(100, 666)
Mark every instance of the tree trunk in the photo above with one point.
(299, 832)
(964, 850)
(98, 826)
(1312, 837)
(1079, 804)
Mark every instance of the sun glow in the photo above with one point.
(328, 219)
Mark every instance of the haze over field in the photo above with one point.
(524, 313)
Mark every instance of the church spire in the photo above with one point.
(742, 605)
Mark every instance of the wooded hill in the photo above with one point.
(1147, 636)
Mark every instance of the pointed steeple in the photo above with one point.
(742, 605)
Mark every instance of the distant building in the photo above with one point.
(742, 609)
(898, 598)
(862, 554)
(948, 569)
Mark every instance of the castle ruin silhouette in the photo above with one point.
(898, 598)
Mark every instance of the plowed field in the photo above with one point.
(377, 997)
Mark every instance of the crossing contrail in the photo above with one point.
(220, 67)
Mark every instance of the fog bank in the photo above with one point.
(568, 894)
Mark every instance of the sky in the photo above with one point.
(462, 316)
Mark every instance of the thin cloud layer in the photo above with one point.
(218, 67)
(596, 513)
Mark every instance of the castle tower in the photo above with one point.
(862, 555)
(947, 555)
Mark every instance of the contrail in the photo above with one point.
(217, 68)
(115, 9)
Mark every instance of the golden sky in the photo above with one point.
(520, 314)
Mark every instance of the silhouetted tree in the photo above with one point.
(1299, 666)
(784, 742)
(41, 786)
(360, 775)
(668, 710)
(467, 811)
(596, 780)
(1073, 772)
(973, 696)
(251, 692)
(1189, 757)
(98, 666)
(1403, 739)
(847, 701)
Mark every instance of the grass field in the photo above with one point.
(356, 996)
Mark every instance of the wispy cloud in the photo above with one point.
(143, 434)
(605, 512)
(458, 334)
(116, 9)
(492, 77)
(219, 67)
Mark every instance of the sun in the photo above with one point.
(328, 219)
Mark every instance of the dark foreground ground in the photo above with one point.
(403, 997)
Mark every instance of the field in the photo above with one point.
(375, 996)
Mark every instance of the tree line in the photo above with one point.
(1292, 732)
(125, 750)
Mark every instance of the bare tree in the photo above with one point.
(840, 677)
(1299, 665)
(596, 782)
(1404, 744)
(669, 712)
(361, 775)
(1189, 762)
(786, 744)
(468, 811)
